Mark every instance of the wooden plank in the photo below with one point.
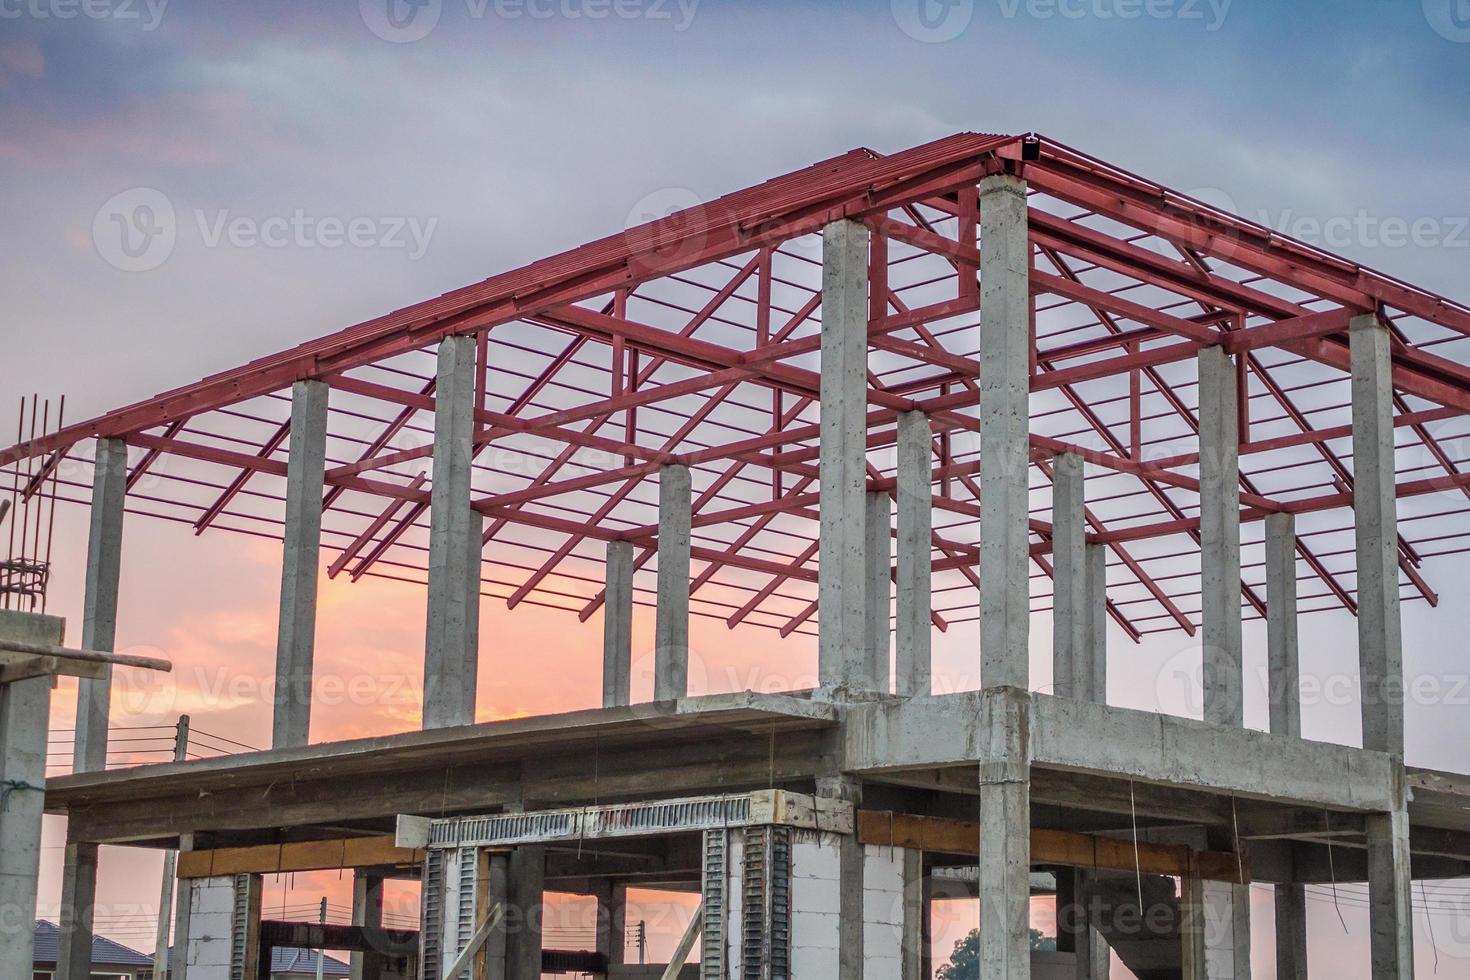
(316, 855)
(1062, 847)
(20, 666)
(19, 648)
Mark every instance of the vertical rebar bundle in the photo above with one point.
(29, 507)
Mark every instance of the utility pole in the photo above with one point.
(642, 941)
(170, 865)
(320, 955)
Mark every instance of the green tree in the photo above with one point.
(964, 961)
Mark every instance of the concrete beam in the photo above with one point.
(878, 556)
(452, 649)
(1072, 653)
(912, 656)
(1219, 496)
(617, 626)
(841, 591)
(1079, 736)
(1284, 671)
(1380, 640)
(300, 560)
(1005, 368)
(25, 708)
(671, 620)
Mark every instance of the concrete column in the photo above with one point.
(527, 889)
(25, 708)
(1191, 929)
(100, 601)
(617, 626)
(1284, 678)
(878, 555)
(911, 963)
(451, 655)
(367, 910)
(926, 947)
(496, 868)
(99, 609)
(612, 922)
(78, 903)
(94, 698)
(1005, 368)
(1005, 846)
(301, 551)
(671, 620)
(851, 879)
(1071, 609)
(1097, 619)
(1390, 908)
(1219, 477)
(912, 657)
(178, 965)
(841, 593)
(1291, 932)
(1075, 931)
(1284, 672)
(1380, 644)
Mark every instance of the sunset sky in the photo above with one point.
(502, 135)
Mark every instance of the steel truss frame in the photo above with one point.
(694, 339)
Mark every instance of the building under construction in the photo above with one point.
(978, 380)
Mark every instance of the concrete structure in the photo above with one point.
(1005, 288)
(94, 696)
(302, 545)
(617, 626)
(451, 660)
(913, 658)
(842, 581)
(671, 622)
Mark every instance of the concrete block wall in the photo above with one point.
(211, 926)
(816, 899)
(1221, 945)
(883, 894)
(734, 897)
